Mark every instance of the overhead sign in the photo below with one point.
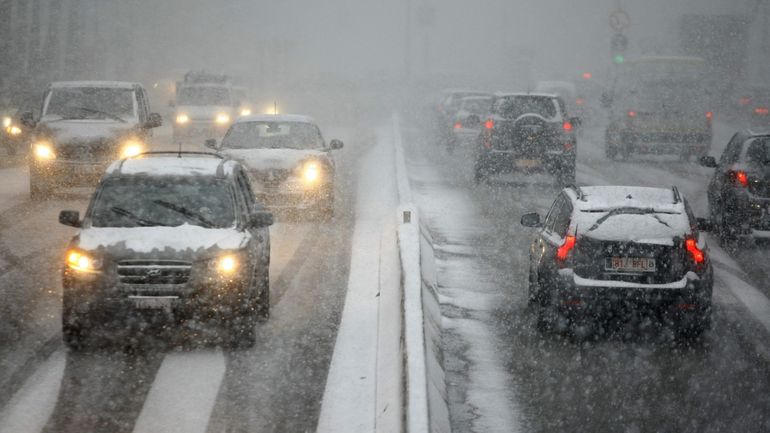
(619, 20)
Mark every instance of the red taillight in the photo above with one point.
(580, 101)
(567, 126)
(458, 125)
(695, 252)
(632, 114)
(709, 115)
(567, 246)
(762, 111)
(587, 75)
(744, 100)
(489, 124)
(741, 177)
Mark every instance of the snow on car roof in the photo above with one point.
(514, 94)
(101, 84)
(276, 118)
(170, 165)
(597, 198)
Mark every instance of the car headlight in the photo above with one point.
(226, 265)
(182, 119)
(13, 130)
(311, 172)
(6, 121)
(131, 149)
(43, 150)
(81, 262)
(246, 112)
(222, 118)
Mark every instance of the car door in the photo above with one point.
(721, 184)
(543, 248)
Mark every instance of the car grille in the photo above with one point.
(90, 151)
(591, 255)
(271, 178)
(141, 272)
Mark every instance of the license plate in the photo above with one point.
(526, 163)
(153, 302)
(630, 264)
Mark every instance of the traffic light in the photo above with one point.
(619, 59)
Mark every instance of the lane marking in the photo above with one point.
(183, 394)
(32, 406)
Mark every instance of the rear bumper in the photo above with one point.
(497, 161)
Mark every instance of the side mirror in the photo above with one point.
(708, 161)
(261, 219)
(336, 144)
(531, 220)
(704, 224)
(153, 121)
(27, 119)
(211, 143)
(171, 103)
(70, 218)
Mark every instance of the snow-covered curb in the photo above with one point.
(425, 393)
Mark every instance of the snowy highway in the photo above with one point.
(165, 381)
(504, 375)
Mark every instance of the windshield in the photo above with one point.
(204, 96)
(477, 106)
(163, 201)
(90, 103)
(273, 135)
(516, 106)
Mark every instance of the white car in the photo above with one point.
(290, 163)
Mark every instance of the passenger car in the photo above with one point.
(614, 252)
(468, 120)
(739, 190)
(446, 110)
(289, 162)
(84, 126)
(206, 105)
(527, 132)
(175, 236)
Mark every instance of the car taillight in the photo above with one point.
(489, 124)
(696, 253)
(567, 126)
(762, 111)
(580, 101)
(563, 252)
(458, 125)
(632, 114)
(740, 177)
(709, 115)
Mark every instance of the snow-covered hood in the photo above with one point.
(186, 242)
(203, 112)
(274, 159)
(87, 130)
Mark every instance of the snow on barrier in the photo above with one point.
(425, 387)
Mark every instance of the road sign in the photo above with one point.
(619, 20)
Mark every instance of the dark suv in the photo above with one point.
(527, 132)
(620, 253)
(168, 236)
(739, 191)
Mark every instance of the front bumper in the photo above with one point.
(60, 172)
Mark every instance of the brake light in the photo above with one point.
(587, 75)
(632, 114)
(489, 124)
(580, 101)
(695, 252)
(567, 126)
(709, 115)
(741, 177)
(762, 111)
(566, 247)
(458, 125)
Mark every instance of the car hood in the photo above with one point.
(185, 242)
(274, 159)
(68, 131)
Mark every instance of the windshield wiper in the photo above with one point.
(186, 212)
(103, 113)
(622, 210)
(139, 220)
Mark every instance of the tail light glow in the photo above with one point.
(762, 111)
(563, 252)
(740, 177)
(632, 114)
(489, 124)
(458, 125)
(709, 115)
(567, 126)
(696, 253)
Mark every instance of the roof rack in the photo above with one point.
(677, 196)
(578, 192)
(179, 153)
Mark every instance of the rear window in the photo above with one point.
(758, 151)
(516, 106)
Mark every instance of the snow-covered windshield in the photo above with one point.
(163, 201)
(204, 96)
(90, 102)
(273, 135)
